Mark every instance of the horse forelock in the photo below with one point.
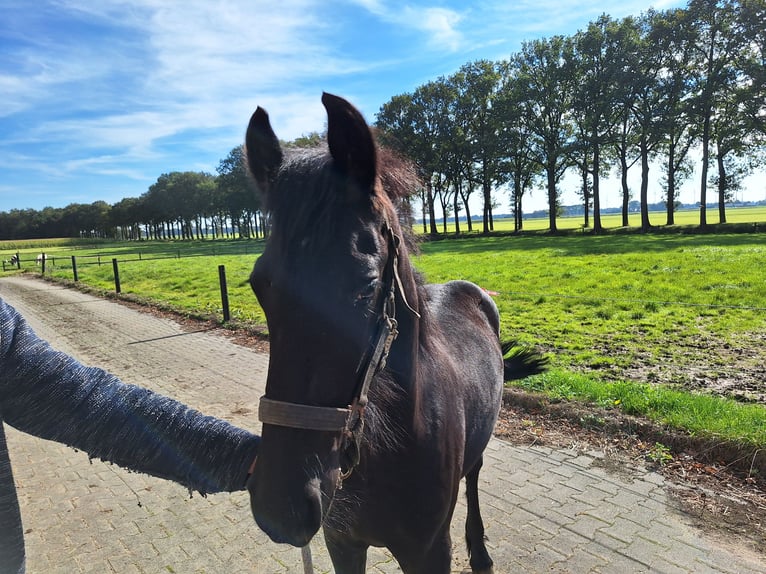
(303, 201)
(306, 202)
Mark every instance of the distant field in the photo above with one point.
(614, 220)
(586, 296)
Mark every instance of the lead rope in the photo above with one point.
(308, 567)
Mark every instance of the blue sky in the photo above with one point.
(100, 97)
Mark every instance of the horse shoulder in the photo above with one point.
(457, 302)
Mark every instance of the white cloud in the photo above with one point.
(438, 24)
(135, 88)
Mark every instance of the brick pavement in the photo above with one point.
(547, 510)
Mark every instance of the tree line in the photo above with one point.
(179, 205)
(621, 94)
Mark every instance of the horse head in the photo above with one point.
(327, 281)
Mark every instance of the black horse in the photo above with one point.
(382, 391)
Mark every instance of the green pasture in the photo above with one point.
(598, 305)
(588, 297)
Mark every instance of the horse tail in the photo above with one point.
(521, 361)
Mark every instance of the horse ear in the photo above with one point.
(350, 140)
(264, 155)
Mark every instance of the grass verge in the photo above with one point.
(700, 415)
(711, 428)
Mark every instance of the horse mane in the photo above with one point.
(400, 180)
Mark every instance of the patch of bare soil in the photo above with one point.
(707, 363)
(721, 494)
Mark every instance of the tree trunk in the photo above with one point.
(431, 212)
(705, 161)
(585, 194)
(467, 212)
(597, 227)
(517, 191)
(456, 210)
(671, 193)
(487, 215)
(625, 191)
(645, 225)
(551, 172)
(721, 187)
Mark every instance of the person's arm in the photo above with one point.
(49, 394)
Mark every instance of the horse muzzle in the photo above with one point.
(293, 483)
(294, 519)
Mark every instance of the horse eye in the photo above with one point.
(367, 294)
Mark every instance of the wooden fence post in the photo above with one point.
(74, 268)
(117, 287)
(224, 293)
(43, 262)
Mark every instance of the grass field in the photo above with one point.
(573, 291)
(616, 312)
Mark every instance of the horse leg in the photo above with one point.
(481, 563)
(347, 556)
(437, 559)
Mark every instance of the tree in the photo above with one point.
(421, 123)
(714, 46)
(191, 189)
(126, 218)
(647, 63)
(309, 140)
(477, 86)
(668, 34)
(752, 61)
(401, 130)
(457, 161)
(237, 196)
(600, 61)
(522, 162)
(547, 81)
(735, 126)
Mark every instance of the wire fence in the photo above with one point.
(22, 261)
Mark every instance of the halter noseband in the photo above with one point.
(350, 419)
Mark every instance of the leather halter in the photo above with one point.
(350, 419)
